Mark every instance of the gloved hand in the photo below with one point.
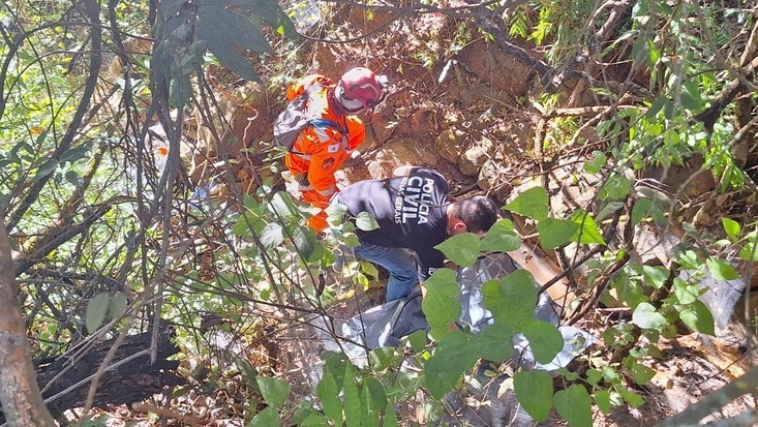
(355, 160)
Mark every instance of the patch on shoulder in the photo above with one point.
(328, 163)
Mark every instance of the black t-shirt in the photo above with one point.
(411, 212)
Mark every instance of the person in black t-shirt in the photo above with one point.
(414, 211)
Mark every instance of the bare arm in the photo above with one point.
(403, 170)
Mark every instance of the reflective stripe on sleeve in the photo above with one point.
(301, 155)
(328, 192)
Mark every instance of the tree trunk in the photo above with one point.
(19, 394)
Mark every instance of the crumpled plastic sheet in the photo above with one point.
(387, 324)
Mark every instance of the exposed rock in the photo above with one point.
(493, 178)
(448, 144)
(398, 153)
(472, 160)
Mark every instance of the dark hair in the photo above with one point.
(477, 212)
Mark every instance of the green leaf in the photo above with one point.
(305, 241)
(369, 415)
(645, 316)
(376, 393)
(556, 232)
(732, 228)
(534, 390)
(688, 259)
(495, 344)
(313, 420)
(574, 406)
(351, 398)
(418, 341)
(721, 270)
(274, 391)
(272, 235)
(462, 249)
(532, 203)
(750, 251)
(440, 304)
(116, 305)
(656, 107)
(641, 373)
(452, 357)
(271, 13)
(171, 7)
(97, 308)
(616, 188)
(336, 214)
(512, 299)
(237, 28)
(594, 376)
(72, 177)
(640, 210)
(364, 221)
(501, 238)
(587, 230)
(544, 339)
(655, 276)
(603, 401)
(382, 357)
(265, 418)
(48, 167)
(390, 417)
(698, 318)
(221, 47)
(686, 293)
(328, 392)
(181, 91)
(598, 161)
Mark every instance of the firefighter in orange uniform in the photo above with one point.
(319, 151)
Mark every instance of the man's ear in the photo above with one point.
(459, 226)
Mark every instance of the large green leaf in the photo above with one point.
(720, 269)
(352, 400)
(97, 308)
(221, 47)
(686, 293)
(271, 13)
(440, 304)
(655, 276)
(328, 391)
(587, 230)
(462, 249)
(532, 203)
(732, 228)
(495, 343)
(615, 188)
(501, 238)
(306, 242)
(369, 413)
(556, 232)
(274, 391)
(512, 299)
(452, 357)
(237, 28)
(265, 418)
(574, 406)
(272, 235)
(364, 221)
(698, 318)
(647, 317)
(534, 390)
(544, 339)
(171, 7)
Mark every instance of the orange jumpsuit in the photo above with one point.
(319, 151)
